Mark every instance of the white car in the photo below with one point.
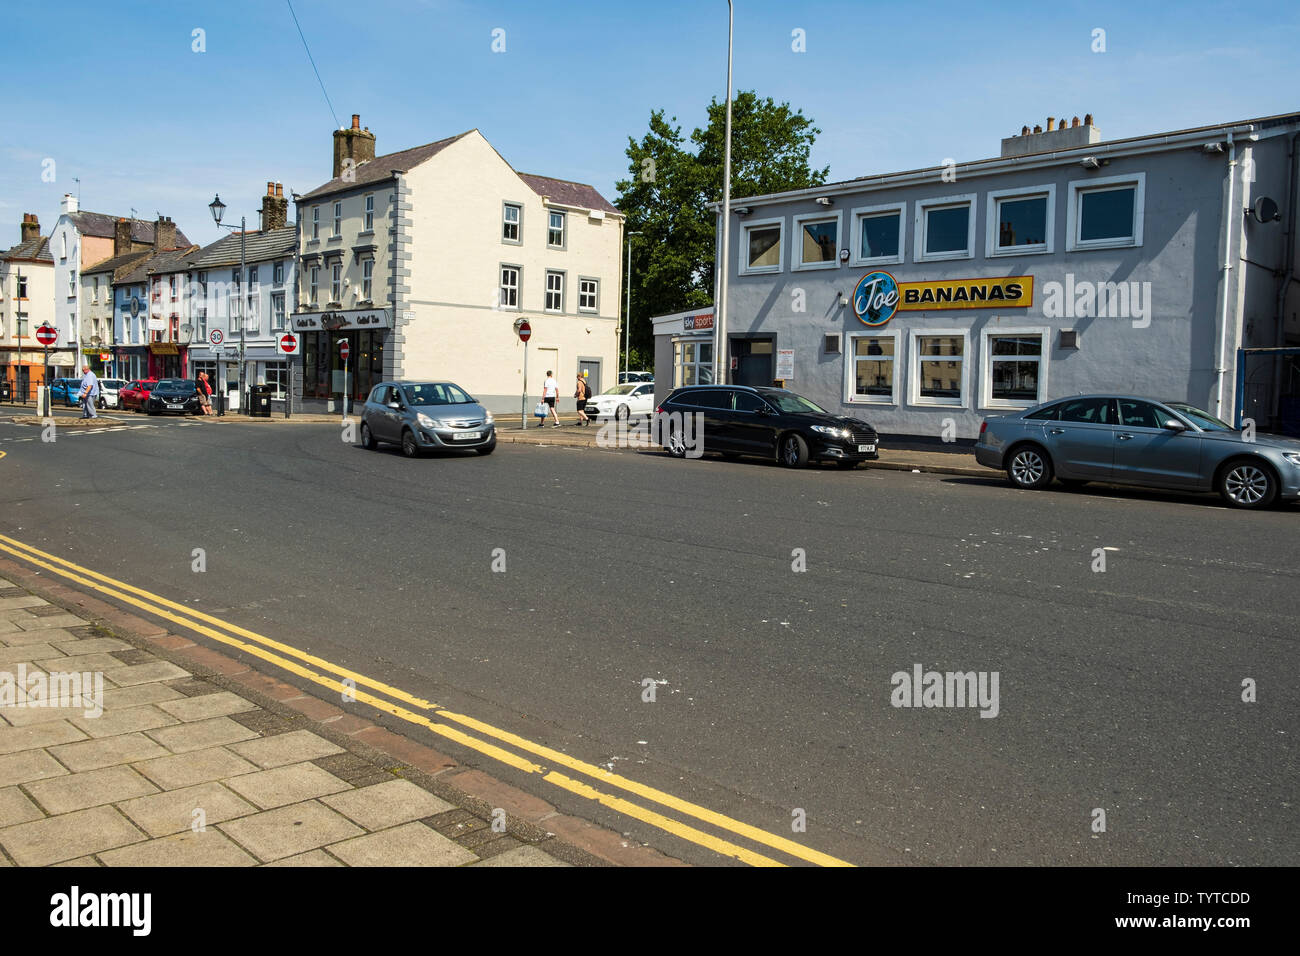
(623, 401)
(108, 389)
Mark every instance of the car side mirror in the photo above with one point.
(1174, 425)
(763, 410)
(395, 406)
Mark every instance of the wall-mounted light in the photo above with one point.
(823, 200)
(741, 210)
(1092, 162)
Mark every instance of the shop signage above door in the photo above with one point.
(345, 319)
(879, 295)
(697, 323)
(164, 348)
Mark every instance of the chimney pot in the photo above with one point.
(270, 188)
(1024, 131)
(1051, 123)
(1038, 129)
(31, 227)
(1087, 119)
(356, 121)
(279, 190)
(1074, 122)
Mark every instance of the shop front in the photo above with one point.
(683, 350)
(167, 360)
(327, 376)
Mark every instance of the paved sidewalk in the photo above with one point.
(179, 769)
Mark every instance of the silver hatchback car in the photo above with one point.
(419, 416)
(1121, 439)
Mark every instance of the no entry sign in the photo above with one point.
(287, 344)
(47, 335)
(525, 330)
(344, 350)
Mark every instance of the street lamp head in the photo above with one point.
(218, 209)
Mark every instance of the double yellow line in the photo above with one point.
(486, 739)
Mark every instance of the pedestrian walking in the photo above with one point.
(89, 392)
(583, 394)
(205, 394)
(550, 393)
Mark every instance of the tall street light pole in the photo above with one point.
(218, 210)
(720, 310)
(627, 319)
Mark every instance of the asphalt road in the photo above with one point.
(1119, 690)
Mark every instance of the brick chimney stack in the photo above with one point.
(164, 234)
(356, 144)
(122, 237)
(275, 208)
(31, 227)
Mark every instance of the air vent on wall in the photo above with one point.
(831, 344)
(1069, 339)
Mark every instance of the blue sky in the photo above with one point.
(115, 96)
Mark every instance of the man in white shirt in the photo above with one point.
(89, 392)
(550, 392)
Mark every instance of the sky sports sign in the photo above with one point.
(879, 295)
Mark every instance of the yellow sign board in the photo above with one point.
(1011, 292)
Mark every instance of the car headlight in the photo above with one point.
(831, 430)
(1292, 456)
(489, 420)
(426, 421)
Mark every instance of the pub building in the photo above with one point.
(924, 301)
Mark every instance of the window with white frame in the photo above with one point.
(872, 368)
(367, 278)
(817, 241)
(277, 311)
(370, 214)
(94, 295)
(72, 282)
(277, 376)
(336, 282)
(253, 317)
(277, 273)
(1014, 372)
(1021, 221)
(252, 276)
(555, 230)
(761, 246)
(588, 295)
(692, 362)
(203, 285)
(171, 287)
(1105, 213)
(314, 286)
(315, 222)
(555, 292)
(338, 219)
(200, 323)
(509, 287)
(945, 228)
(511, 214)
(877, 235)
(938, 368)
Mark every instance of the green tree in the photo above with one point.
(670, 187)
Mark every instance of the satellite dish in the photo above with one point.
(186, 333)
(1266, 210)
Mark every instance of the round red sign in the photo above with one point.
(344, 350)
(46, 335)
(288, 343)
(525, 331)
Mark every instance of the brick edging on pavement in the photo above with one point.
(577, 841)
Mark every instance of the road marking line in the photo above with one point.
(26, 552)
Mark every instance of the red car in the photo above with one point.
(133, 396)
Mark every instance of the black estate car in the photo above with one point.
(178, 395)
(763, 422)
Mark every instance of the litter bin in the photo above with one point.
(259, 405)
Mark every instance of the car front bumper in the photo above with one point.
(446, 437)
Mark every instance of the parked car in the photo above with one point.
(65, 390)
(625, 377)
(109, 391)
(179, 395)
(1122, 439)
(766, 423)
(426, 415)
(134, 395)
(623, 401)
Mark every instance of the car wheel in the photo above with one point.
(367, 439)
(487, 449)
(621, 413)
(1029, 468)
(409, 448)
(1247, 484)
(794, 451)
(676, 442)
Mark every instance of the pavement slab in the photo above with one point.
(221, 704)
(213, 732)
(106, 751)
(90, 789)
(285, 785)
(412, 844)
(288, 831)
(178, 771)
(175, 810)
(526, 856)
(207, 848)
(68, 836)
(292, 747)
(386, 804)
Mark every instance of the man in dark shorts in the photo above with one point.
(582, 395)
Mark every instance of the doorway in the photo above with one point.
(592, 368)
(755, 361)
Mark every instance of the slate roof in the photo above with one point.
(37, 250)
(173, 260)
(567, 193)
(258, 247)
(119, 265)
(381, 167)
(99, 224)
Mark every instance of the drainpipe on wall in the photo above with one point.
(1229, 218)
(1293, 174)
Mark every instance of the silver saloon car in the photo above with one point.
(1121, 439)
(420, 416)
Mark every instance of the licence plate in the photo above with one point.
(866, 448)
(170, 405)
(466, 436)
